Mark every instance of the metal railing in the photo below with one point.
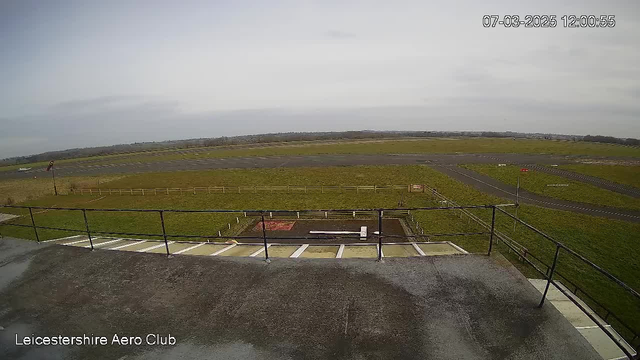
(379, 213)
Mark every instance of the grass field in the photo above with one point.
(30, 189)
(627, 175)
(398, 146)
(536, 182)
(611, 244)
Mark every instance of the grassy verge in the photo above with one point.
(29, 189)
(627, 175)
(392, 146)
(609, 243)
(537, 182)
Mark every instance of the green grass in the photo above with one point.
(622, 174)
(537, 181)
(391, 146)
(609, 243)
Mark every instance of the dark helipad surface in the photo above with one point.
(441, 307)
(285, 230)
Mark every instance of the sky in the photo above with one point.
(93, 73)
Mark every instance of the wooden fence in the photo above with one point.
(249, 189)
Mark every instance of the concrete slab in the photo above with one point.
(123, 244)
(241, 250)
(573, 313)
(431, 307)
(602, 343)
(399, 250)
(326, 252)
(140, 246)
(438, 249)
(282, 251)
(362, 251)
(173, 248)
(205, 250)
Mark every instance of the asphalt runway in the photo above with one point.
(497, 188)
(289, 162)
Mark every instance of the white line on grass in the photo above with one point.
(458, 247)
(187, 249)
(223, 250)
(300, 250)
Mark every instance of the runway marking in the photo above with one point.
(260, 251)
(104, 243)
(415, 246)
(299, 252)
(154, 247)
(76, 242)
(127, 245)
(223, 250)
(64, 238)
(188, 249)
(340, 251)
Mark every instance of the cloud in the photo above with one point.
(337, 34)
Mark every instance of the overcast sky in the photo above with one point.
(89, 73)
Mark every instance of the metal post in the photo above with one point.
(379, 235)
(86, 225)
(553, 269)
(264, 237)
(164, 233)
(35, 230)
(53, 175)
(493, 227)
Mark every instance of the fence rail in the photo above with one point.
(548, 274)
(247, 189)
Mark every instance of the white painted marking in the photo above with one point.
(378, 250)
(154, 247)
(64, 238)
(299, 252)
(127, 245)
(104, 243)
(591, 327)
(341, 250)
(188, 249)
(223, 250)
(260, 251)
(415, 246)
(75, 242)
(458, 247)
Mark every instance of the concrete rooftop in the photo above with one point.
(431, 307)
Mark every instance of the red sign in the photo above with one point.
(524, 170)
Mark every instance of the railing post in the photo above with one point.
(86, 225)
(164, 232)
(553, 269)
(33, 223)
(493, 228)
(264, 237)
(379, 235)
